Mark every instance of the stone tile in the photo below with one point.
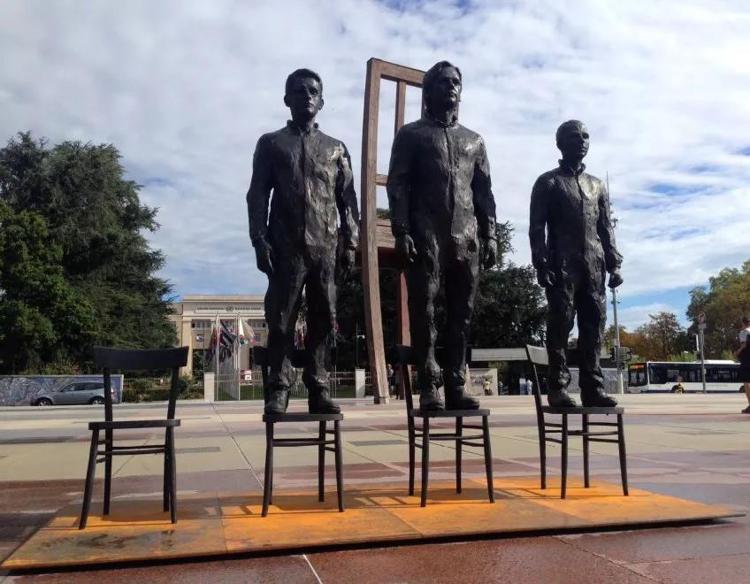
(697, 571)
(540, 560)
(667, 544)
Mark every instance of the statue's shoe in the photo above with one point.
(561, 399)
(319, 402)
(597, 398)
(457, 399)
(429, 400)
(277, 402)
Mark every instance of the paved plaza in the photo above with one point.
(689, 446)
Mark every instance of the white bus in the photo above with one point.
(678, 377)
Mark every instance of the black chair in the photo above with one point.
(538, 357)
(321, 440)
(132, 360)
(401, 357)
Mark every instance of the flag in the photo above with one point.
(247, 334)
(211, 346)
(242, 334)
(226, 341)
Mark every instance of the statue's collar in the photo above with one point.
(452, 122)
(296, 129)
(573, 171)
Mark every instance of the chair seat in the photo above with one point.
(125, 424)
(302, 417)
(449, 413)
(583, 410)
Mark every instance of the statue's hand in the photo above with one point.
(489, 253)
(615, 279)
(264, 256)
(545, 277)
(406, 249)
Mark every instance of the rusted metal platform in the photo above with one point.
(222, 524)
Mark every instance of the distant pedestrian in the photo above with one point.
(743, 354)
(391, 380)
(487, 386)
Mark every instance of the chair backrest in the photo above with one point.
(109, 358)
(538, 357)
(400, 357)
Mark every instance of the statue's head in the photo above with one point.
(573, 140)
(304, 94)
(441, 87)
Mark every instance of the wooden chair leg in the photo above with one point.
(459, 451)
(268, 470)
(339, 465)
(564, 469)
(585, 424)
(90, 472)
(425, 458)
(321, 460)
(167, 474)
(488, 457)
(542, 454)
(412, 455)
(623, 456)
(108, 440)
(172, 478)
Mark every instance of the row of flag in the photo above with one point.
(228, 338)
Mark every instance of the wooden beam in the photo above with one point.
(368, 238)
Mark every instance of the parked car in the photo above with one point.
(76, 393)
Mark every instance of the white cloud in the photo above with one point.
(185, 89)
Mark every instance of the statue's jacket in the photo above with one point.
(439, 184)
(310, 174)
(570, 228)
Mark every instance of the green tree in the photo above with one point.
(40, 312)
(92, 223)
(725, 301)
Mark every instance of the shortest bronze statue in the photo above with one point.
(298, 244)
(572, 249)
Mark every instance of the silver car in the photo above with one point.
(76, 393)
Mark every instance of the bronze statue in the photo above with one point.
(572, 246)
(443, 218)
(298, 243)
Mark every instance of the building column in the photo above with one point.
(186, 340)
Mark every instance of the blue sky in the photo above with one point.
(184, 90)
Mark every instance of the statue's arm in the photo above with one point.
(484, 200)
(612, 257)
(538, 215)
(346, 201)
(259, 192)
(398, 186)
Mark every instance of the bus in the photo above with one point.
(679, 377)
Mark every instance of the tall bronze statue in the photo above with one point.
(572, 247)
(443, 218)
(298, 243)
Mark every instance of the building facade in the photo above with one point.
(196, 315)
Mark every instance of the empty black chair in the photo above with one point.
(131, 360)
(420, 437)
(322, 440)
(538, 357)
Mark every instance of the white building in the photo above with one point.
(196, 315)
